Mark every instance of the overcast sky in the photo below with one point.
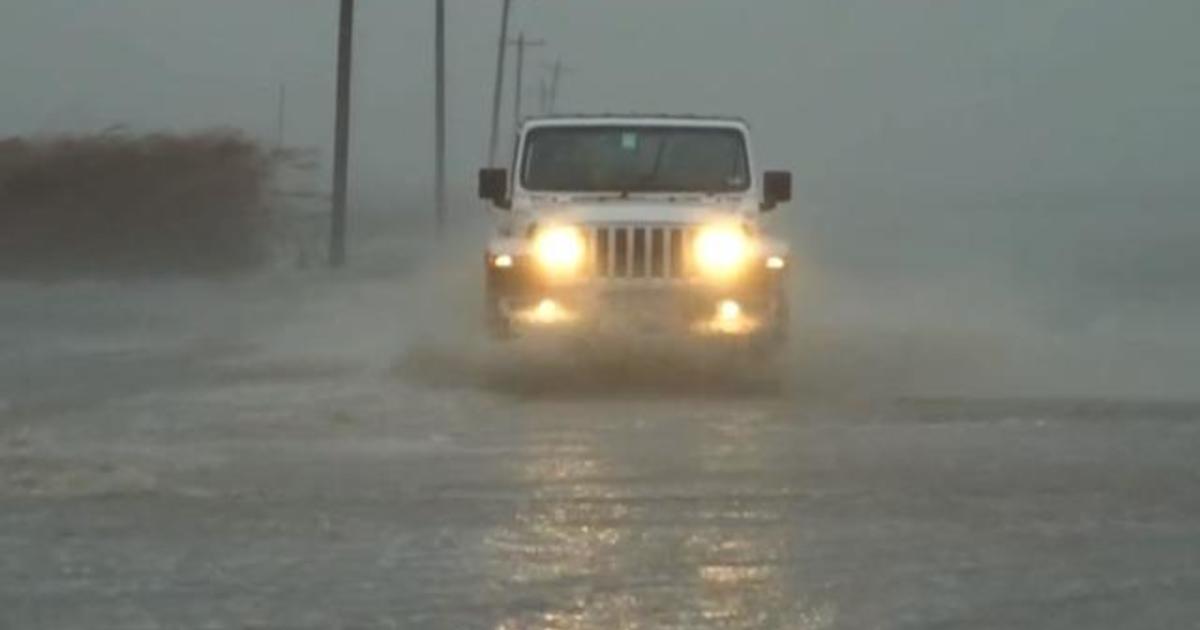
(903, 98)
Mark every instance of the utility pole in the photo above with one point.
(555, 78)
(543, 96)
(521, 45)
(440, 126)
(341, 142)
(280, 116)
(498, 88)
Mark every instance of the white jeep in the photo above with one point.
(639, 224)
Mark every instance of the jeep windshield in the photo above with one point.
(635, 159)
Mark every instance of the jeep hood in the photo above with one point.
(636, 211)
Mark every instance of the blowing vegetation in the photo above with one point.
(113, 204)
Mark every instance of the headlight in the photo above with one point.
(720, 251)
(559, 249)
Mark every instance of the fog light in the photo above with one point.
(547, 310)
(503, 261)
(727, 319)
(728, 310)
(776, 262)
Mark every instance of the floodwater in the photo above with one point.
(324, 451)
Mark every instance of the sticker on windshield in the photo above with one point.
(629, 141)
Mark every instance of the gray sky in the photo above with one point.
(1054, 141)
(919, 99)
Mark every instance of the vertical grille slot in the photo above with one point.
(620, 252)
(689, 244)
(602, 255)
(676, 251)
(656, 253)
(639, 253)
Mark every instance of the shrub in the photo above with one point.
(117, 204)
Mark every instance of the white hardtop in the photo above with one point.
(635, 120)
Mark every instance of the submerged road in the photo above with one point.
(283, 453)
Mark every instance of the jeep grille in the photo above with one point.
(634, 252)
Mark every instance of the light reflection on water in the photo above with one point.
(600, 544)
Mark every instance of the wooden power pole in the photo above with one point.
(555, 82)
(521, 43)
(440, 125)
(498, 86)
(280, 116)
(341, 142)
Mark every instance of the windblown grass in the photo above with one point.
(105, 205)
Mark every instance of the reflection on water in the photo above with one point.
(614, 536)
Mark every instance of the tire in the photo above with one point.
(496, 322)
(772, 339)
(499, 326)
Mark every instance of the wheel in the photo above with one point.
(772, 339)
(495, 317)
(499, 326)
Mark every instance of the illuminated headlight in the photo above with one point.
(721, 251)
(559, 249)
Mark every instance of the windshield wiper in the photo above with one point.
(644, 181)
(599, 195)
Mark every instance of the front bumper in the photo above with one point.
(526, 300)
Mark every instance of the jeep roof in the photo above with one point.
(681, 120)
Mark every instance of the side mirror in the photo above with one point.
(493, 186)
(777, 189)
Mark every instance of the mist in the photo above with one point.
(985, 414)
(995, 193)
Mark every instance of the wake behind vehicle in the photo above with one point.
(638, 225)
